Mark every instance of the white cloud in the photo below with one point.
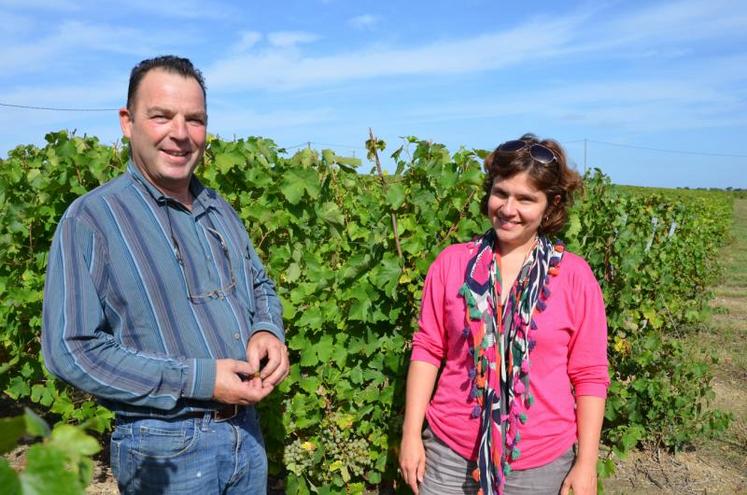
(289, 69)
(107, 92)
(288, 39)
(696, 93)
(101, 38)
(636, 105)
(242, 121)
(46, 5)
(247, 40)
(683, 20)
(15, 25)
(628, 69)
(662, 28)
(65, 40)
(365, 21)
(182, 9)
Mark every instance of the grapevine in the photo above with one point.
(323, 227)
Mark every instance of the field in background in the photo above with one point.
(717, 465)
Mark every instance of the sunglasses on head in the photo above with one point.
(538, 152)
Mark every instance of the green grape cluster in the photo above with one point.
(336, 455)
(298, 457)
(346, 455)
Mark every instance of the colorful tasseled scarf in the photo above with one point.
(501, 344)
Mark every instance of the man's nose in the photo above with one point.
(179, 128)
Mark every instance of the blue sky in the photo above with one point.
(632, 78)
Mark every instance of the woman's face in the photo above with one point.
(515, 209)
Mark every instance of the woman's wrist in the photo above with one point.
(586, 461)
(412, 431)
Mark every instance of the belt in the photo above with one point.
(229, 411)
(223, 413)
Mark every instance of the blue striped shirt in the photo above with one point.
(142, 296)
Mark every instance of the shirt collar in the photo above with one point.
(203, 196)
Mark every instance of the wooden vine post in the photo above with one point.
(373, 151)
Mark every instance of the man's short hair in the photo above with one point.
(169, 63)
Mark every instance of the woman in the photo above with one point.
(518, 327)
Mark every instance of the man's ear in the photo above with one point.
(125, 122)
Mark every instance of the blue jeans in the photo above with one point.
(190, 456)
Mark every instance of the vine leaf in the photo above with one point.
(11, 429)
(9, 480)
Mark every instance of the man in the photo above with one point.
(156, 303)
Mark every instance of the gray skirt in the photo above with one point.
(448, 473)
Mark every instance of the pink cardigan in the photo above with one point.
(570, 355)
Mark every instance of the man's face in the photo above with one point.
(167, 129)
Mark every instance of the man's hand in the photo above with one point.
(264, 345)
(230, 388)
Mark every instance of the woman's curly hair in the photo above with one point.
(555, 179)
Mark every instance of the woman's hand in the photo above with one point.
(421, 378)
(412, 461)
(582, 479)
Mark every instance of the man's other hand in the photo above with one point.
(234, 383)
(265, 346)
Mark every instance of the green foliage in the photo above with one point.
(36, 186)
(351, 301)
(654, 254)
(60, 464)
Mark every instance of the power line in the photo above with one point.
(309, 143)
(663, 150)
(288, 148)
(56, 109)
(585, 141)
(339, 145)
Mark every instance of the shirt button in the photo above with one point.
(237, 336)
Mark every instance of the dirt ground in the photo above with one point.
(710, 468)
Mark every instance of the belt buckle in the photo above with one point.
(225, 413)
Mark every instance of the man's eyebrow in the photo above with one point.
(199, 114)
(157, 109)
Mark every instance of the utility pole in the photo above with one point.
(585, 156)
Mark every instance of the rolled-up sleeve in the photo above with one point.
(588, 367)
(429, 343)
